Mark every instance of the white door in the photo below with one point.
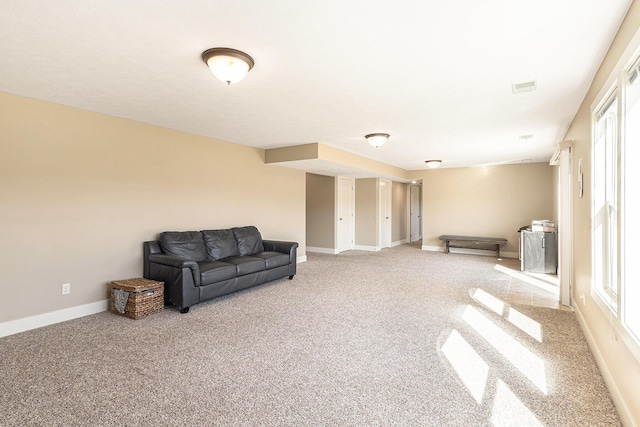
(346, 205)
(385, 214)
(415, 213)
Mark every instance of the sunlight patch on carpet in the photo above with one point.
(530, 365)
(509, 411)
(519, 320)
(525, 324)
(494, 304)
(528, 279)
(472, 370)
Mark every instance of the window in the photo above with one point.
(605, 206)
(631, 202)
(615, 201)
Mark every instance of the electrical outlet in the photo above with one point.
(583, 298)
(66, 288)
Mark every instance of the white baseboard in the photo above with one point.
(471, 251)
(330, 251)
(355, 247)
(378, 248)
(301, 258)
(46, 319)
(367, 248)
(618, 399)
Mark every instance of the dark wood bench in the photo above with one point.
(473, 242)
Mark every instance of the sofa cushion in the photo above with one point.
(186, 244)
(273, 259)
(216, 271)
(220, 244)
(246, 264)
(249, 240)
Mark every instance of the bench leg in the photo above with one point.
(498, 250)
(446, 246)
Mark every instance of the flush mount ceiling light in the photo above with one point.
(228, 65)
(377, 139)
(432, 164)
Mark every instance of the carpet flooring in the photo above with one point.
(400, 337)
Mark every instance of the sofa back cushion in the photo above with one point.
(249, 240)
(185, 244)
(220, 244)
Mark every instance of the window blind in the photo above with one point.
(634, 71)
(605, 107)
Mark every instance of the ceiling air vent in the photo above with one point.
(523, 87)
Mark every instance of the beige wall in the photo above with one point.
(367, 215)
(399, 212)
(331, 155)
(616, 360)
(80, 192)
(493, 201)
(321, 198)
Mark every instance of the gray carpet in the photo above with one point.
(400, 337)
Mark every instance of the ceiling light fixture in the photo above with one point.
(228, 65)
(432, 164)
(377, 139)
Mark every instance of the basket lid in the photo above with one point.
(137, 284)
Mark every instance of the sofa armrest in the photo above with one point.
(278, 246)
(172, 261)
(178, 262)
(290, 248)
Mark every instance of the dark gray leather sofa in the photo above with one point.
(196, 266)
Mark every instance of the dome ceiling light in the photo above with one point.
(377, 139)
(432, 164)
(228, 65)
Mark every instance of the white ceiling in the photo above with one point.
(436, 75)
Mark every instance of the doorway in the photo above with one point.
(415, 213)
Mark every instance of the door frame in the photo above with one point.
(563, 159)
(565, 260)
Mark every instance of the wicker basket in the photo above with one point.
(145, 297)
